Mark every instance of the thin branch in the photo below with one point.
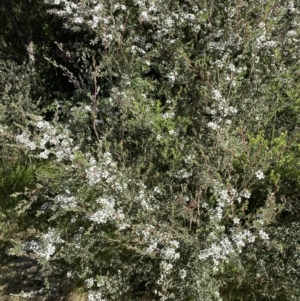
(30, 44)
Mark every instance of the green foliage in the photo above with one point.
(267, 272)
(15, 177)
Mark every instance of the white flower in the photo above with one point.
(182, 273)
(259, 174)
(216, 94)
(204, 205)
(232, 110)
(42, 124)
(213, 125)
(44, 154)
(291, 33)
(175, 244)
(78, 20)
(66, 202)
(246, 194)
(144, 16)
(89, 282)
(263, 234)
(107, 212)
(167, 267)
(157, 190)
(251, 239)
(98, 7)
(172, 76)
(32, 145)
(168, 115)
(236, 220)
(45, 248)
(152, 247)
(169, 253)
(231, 67)
(69, 274)
(95, 296)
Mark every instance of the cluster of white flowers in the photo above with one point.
(212, 125)
(24, 139)
(189, 159)
(49, 141)
(145, 199)
(166, 268)
(223, 245)
(153, 247)
(135, 49)
(45, 248)
(65, 202)
(89, 282)
(220, 110)
(104, 170)
(216, 94)
(159, 242)
(183, 174)
(77, 240)
(168, 115)
(45, 207)
(221, 249)
(30, 295)
(240, 238)
(169, 256)
(170, 251)
(95, 296)
(107, 211)
(218, 251)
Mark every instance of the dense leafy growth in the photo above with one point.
(150, 148)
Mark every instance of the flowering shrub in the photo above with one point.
(165, 173)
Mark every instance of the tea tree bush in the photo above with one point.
(167, 175)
